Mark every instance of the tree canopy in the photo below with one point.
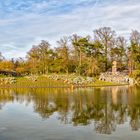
(84, 55)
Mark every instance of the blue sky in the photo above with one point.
(26, 22)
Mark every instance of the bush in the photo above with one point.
(136, 75)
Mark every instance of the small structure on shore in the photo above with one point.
(116, 76)
(114, 68)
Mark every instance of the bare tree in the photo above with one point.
(63, 52)
(106, 36)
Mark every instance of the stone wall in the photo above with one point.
(120, 78)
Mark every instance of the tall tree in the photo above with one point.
(94, 55)
(39, 57)
(134, 51)
(118, 52)
(1, 57)
(106, 36)
(63, 53)
(81, 45)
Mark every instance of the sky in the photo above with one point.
(24, 23)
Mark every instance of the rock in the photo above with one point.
(7, 80)
(120, 78)
(89, 79)
(131, 81)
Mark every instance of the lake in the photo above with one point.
(106, 113)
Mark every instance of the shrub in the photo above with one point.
(136, 75)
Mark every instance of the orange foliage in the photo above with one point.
(6, 65)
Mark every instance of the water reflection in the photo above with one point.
(105, 108)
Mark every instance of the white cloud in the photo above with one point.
(46, 20)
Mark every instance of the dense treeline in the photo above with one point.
(82, 55)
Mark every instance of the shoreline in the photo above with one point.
(47, 81)
(71, 87)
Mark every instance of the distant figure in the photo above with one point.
(114, 68)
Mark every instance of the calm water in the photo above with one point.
(111, 113)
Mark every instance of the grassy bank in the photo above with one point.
(45, 82)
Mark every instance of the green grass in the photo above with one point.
(2, 76)
(103, 83)
(40, 82)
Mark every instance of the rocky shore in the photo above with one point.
(120, 78)
(7, 80)
(71, 79)
(105, 79)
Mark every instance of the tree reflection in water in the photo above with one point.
(104, 107)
